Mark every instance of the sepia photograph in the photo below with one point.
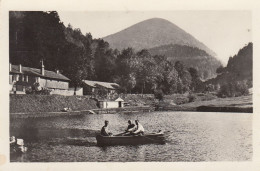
(136, 86)
(129, 85)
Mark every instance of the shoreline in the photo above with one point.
(50, 106)
(210, 109)
(84, 112)
(216, 109)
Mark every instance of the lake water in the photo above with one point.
(192, 136)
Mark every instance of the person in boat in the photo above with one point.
(138, 129)
(104, 130)
(130, 126)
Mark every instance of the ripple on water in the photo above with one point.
(191, 136)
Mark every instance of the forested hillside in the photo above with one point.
(239, 67)
(237, 77)
(191, 57)
(162, 37)
(36, 36)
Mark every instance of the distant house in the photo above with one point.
(97, 87)
(118, 103)
(21, 78)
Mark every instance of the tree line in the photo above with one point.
(36, 36)
(237, 76)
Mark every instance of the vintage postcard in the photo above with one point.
(122, 85)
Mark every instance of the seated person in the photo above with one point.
(104, 130)
(130, 126)
(139, 129)
(129, 129)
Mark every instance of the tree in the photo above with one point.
(125, 62)
(233, 89)
(220, 70)
(158, 94)
(184, 78)
(179, 68)
(167, 76)
(146, 73)
(36, 35)
(104, 61)
(125, 69)
(196, 84)
(75, 66)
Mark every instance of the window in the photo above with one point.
(16, 77)
(10, 79)
(27, 78)
(20, 77)
(37, 79)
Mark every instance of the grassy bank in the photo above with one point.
(233, 104)
(200, 102)
(139, 99)
(49, 103)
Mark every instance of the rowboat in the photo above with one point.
(151, 138)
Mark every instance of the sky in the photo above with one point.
(224, 32)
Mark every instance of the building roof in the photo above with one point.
(37, 72)
(107, 85)
(111, 100)
(119, 99)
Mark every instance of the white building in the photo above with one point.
(118, 103)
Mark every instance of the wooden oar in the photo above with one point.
(120, 134)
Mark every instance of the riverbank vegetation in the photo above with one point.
(230, 104)
(177, 102)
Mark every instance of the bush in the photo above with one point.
(158, 94)
(44, 92)
(234, 89)
(29, 90)
(192, 97)
(181, 100)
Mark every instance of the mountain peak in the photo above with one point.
(152, 33)
(156, 20)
